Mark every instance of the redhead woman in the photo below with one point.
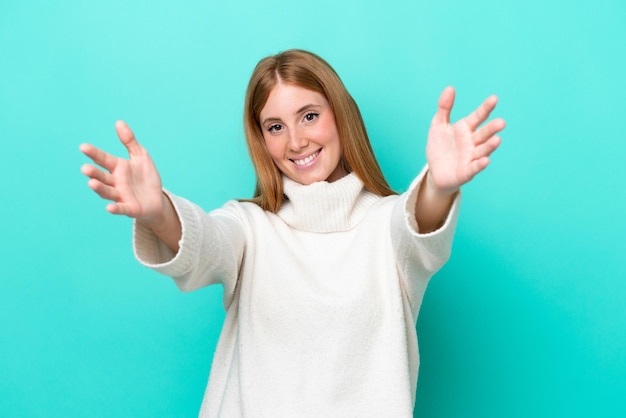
(325, 268)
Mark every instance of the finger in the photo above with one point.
(489, 130)
(95, 173)
(485, 149)
(118, 208)
(127, 137)
(446, 101)
(103, 190)
(103, 159)
(481, 113)
(478, 165)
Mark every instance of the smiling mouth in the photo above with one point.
(306, 161)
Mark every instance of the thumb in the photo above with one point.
(446, 101)
(127, 137)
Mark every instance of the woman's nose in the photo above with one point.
(297, 140)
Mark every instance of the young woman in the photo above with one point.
(324, 269)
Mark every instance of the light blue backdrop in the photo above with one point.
(527, 319)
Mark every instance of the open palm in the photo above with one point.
(457, 152)
(134, 185)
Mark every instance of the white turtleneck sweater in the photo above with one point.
(321, 298)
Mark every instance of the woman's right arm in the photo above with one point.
(133, 186)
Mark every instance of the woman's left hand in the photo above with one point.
(456, 153)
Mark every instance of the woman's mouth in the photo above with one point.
(307, 160)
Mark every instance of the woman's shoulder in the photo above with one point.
(245, 211)
(239, 208)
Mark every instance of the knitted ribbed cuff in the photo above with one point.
(153, 253)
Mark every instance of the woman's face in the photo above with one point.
(301, 136)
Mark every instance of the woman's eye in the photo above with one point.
(274, 128)
(311, 116)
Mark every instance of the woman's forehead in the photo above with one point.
(288, 98)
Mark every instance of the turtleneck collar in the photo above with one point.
(326, 207)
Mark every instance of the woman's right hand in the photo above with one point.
(134, 185)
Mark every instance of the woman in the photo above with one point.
(324, 270)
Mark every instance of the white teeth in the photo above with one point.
(308, 159)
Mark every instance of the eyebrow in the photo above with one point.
(302, 109)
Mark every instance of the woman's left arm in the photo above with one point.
(455, 154)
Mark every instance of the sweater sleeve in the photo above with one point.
(419, 256)
(210, 250)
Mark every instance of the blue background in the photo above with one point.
(527, 319)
